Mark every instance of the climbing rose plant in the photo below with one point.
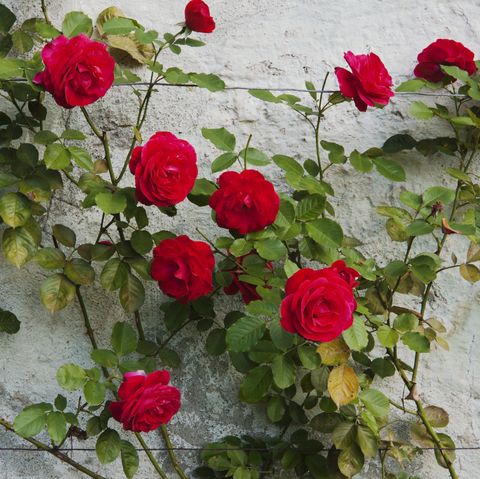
(322, 328)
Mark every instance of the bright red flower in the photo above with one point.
(183, 268)
(369, 83)
(319, 304)
(165, 170)
(443, 52)
(146, 401)
(350, 275)
(78, 71)
(198, 18)
(245, 201)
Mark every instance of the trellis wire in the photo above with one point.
(199, 449)
(276, 89)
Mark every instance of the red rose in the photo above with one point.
(443, 52)
(183, 268)
(165, 170)
(197, 17)
(78, 71)
(146, 401)
(318, 305)
(369, 83)
(247, 290)
(245, 201)
(350, 275)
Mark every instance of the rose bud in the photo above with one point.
(368, 84)
(198, 18)
(183, 268)
(146, 401)
(244, 202)
(78, 71)
(443, 52)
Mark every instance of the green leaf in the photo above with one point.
(420, 111)
(117, 25)
(56, 426)
(94, 393)
(382, 367)
(271, 249)
(111, 203)
(367, 441)
(398, 143)
(73, 135)
(10, 68)
(361, 162)
(57, 292)
(344, 434)
(389, 169)
(15, 209)
(56, 157)
(310, 207)
(19, 245)
(81, 157)
(64, 235)
(284, 372)
(124, 339)
(7, 179)
(356, 336)
(438, 193)
(60, 402)
(76, 23)
(79, 271)
(223, 162)
(108, 446)
(132, 294)
(276, 409)
(141, 241)
(22, 41)
(45, 137)
(387, 336)
(7, 19)
(30, 422)
(256, 384)
(216, 342)
(287, 164)
(130, 461)
(410, 85)
(405, 322)
(419, 228)
(336, 152)
(104, 357)
(416, 342)
(71, 377)
(437, 416)
(209, 81)
(325, 232)
(455, 72)
(264, 95)
(309, 358)
(375, 401)
(201, 192)
(220, 137)
(254, 157)
(245, 333)
(9, 323)
(114, 274)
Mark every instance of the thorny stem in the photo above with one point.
(54, 452)
(45, 13)
(171, 454)
(245, 155)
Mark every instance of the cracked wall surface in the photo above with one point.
(270, 43)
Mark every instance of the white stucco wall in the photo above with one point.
(262, 43)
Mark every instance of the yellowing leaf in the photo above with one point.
(335, 352)
(343, 385)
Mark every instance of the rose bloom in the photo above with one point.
(146, 401)
(319, 304)
(245, 201)
(198, 18)
(165, 170)
(183, 268)
(349, 275)
(247, 290)
(369, 83)
(78, 71)
(443, 52)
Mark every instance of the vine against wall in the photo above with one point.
(321, 328)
